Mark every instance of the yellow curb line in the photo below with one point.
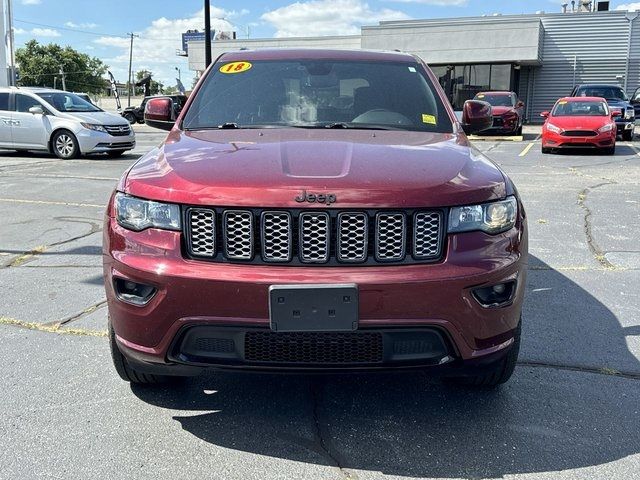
(52, 328)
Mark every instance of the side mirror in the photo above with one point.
(544, 114)
(158, 113)
(519, 104)
(476, 116)
(616, 113)
(36, 110)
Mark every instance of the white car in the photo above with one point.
(60, 122)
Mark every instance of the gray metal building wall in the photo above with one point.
(600, 45)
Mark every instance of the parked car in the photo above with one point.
(617, 100)
(579, 122)
(316, 210)
(635, 101)
(60, 122)
(136, 114)
(507, 109)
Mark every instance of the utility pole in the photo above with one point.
(132, 35)
(179, 76)
(64, 84)
(12, 58)
(207, 34)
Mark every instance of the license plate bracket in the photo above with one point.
(313, 308)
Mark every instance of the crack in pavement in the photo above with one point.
(596, 251)
(90, 309)
(579, 368)
(29, 255)
(325, 444)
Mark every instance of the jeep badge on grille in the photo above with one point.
(305, 196)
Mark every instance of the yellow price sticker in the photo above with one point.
(235, 67)
(480, 96)
(562, 102)
(428, 119)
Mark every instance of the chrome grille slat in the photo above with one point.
(277, 239)
(352, 237)
(118, 130)
(390, 236)
(426, 234)
(238, 234)
(298, 236)
(201, 231)
(314, 237)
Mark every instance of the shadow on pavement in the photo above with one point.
(543, 420)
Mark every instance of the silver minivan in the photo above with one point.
(60, 122)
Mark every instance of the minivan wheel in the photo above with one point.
(65, 145)
(115, 153)
(125, 371)
(498, 374)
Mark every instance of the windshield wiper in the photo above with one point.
(229, 125)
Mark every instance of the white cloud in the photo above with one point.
(31, 2)
(629, 6)
(441, 3)
(156, 47)
(326, 17)
(84, 25)
(45, 32)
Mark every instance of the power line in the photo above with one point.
(70, 29)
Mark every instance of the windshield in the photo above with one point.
(609, 93)
(318, 94)
(496, 100)
(68, 102)
(580, 109)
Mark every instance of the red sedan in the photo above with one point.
(579, 122)
(507, 109)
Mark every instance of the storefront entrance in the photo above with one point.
(462, 82)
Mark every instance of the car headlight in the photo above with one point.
(553, 128)
(606, 128)
(494, 217)
(137, 214)
(91, 126)
(629, 114)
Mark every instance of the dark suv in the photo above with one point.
(136, 114)
(316, 210)
(617, 100)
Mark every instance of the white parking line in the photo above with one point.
(633, 147)
(48, 202)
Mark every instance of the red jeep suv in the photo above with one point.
(316, 210)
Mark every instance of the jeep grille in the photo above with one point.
(299, 237)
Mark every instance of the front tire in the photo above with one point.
(65, 145)
(546, 150)
(115, 153)
(498, 374)
(130, 117)
(610, 150)
(125, 371)
(627, 135)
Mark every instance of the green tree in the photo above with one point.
(155, 87)
(39, 66)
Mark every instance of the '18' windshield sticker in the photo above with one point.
(428, 119)
(480, 96)
(235, 67)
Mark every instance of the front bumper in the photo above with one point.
(433, 300)
(99, 142)
(602, 140)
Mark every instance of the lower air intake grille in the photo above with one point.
(322, 348)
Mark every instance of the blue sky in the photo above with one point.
(99, 27)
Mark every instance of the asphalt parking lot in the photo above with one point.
(572, 409)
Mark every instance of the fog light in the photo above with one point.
(497, 295)
(132, 292)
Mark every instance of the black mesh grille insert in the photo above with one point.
(218, 345)
(314, 347)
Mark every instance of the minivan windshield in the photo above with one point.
(318, 94)
(580, 109)
(67, 102)
(604, 91)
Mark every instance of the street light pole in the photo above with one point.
(207, 33)
(130, 62)
(179, 76)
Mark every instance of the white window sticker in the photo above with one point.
(412, 69)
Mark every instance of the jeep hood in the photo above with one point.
(270, 167)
